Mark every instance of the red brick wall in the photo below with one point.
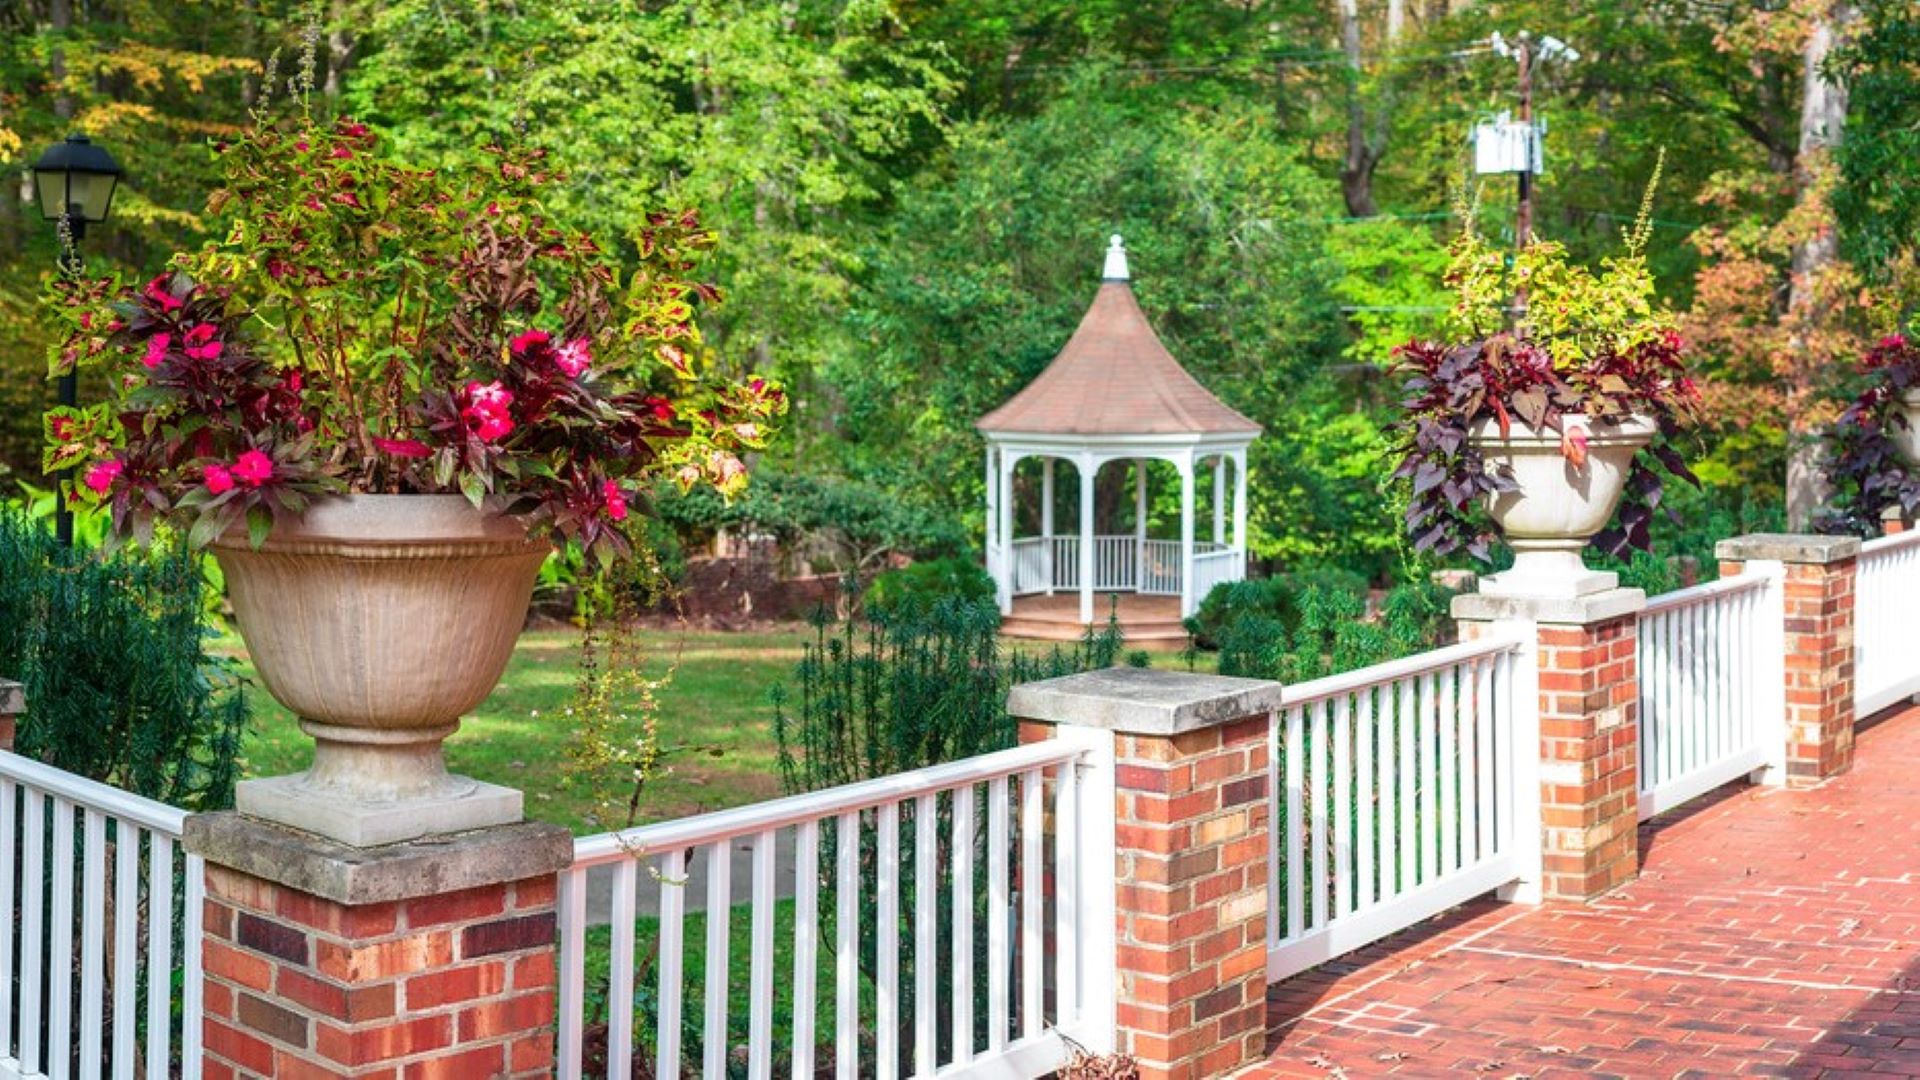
(1191, 835)
(1819, 602)
(456, 985)
(1589, 757)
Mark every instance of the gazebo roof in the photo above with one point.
(1115, 378)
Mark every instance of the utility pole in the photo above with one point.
(1523, 217)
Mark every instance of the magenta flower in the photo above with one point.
(574, 357)
(526, 342)
(252, 468)
(201, 344)
(158, 292)
(100, 478)
(614, 501)
(157, 347)
(486, 413)
(219, 478)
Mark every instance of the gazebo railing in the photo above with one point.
(1122, 563)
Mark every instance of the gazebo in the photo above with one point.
(1114, 394)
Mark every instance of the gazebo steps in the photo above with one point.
(1149, 622)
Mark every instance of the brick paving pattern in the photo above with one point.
(1771, 932)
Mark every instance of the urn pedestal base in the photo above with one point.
(1548, 570)
(287, 800)
(369, 787)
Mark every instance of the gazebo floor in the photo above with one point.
(1149, 622)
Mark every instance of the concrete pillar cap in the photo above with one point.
(1141, 701)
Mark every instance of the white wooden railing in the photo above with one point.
(1120, 564)
(90, 992)
(1397, 794)
(1711, 679)
(1886, 666)
(1213, 568)
(999, 968)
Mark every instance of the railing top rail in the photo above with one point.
(817, 805)
(1887, 544)
(1697, 594)
(107, 799)
(1395, 670)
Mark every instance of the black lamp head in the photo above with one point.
(75, 176)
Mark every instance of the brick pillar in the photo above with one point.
(1819, 573)
(433, 958)
(1587, 680)
(1191, 836)
(13, 704)
(1893, 521)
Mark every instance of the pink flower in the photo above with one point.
(252, 468)
(201, 343)
(404, 448)
(158, 292)
(525, 342)
(301, 146)
(218, 477)
(157, 347)
(574, 357)
(100, 478)
(486, 414)
(615, 502)
(351, 130)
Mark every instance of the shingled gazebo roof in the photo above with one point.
(1114, 377)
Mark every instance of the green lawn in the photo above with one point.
(717, 699)
(518, 737)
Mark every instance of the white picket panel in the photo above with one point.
(1391, 797)
(1886, 594)
(1038, 816)
(89, 872)
(1710, 686)
(1120, 564)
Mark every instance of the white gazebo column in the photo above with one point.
(1046, 521)
(1240, 514)
(1139, 524)
(994, 569)
(1005, 528)
(1186, 535)
(1086, 537)
(1220, 499)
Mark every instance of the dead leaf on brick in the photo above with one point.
(1553, 1049)
(1491, 1066)
(1601, 985)
(1320, 1062)
(1391, 1055)
(1848, 926)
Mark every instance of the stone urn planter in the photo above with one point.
(380, 620)
(1908, 438)
(1557, 507)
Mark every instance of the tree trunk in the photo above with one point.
(340, 46)
(1823, 114)
(60, 15)
(1356, 171)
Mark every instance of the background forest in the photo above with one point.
(914, 194)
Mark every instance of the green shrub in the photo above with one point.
(112, 653)
(924, 583)
(1330, 632)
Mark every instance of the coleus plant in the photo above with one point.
(1583, 351)
(367, 327)
(1865, 466)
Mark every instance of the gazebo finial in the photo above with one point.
(1116, 269)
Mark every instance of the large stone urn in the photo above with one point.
(1908, 438)
(1557, 507)
(380, 620)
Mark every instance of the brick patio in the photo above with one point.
(1772, 932)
